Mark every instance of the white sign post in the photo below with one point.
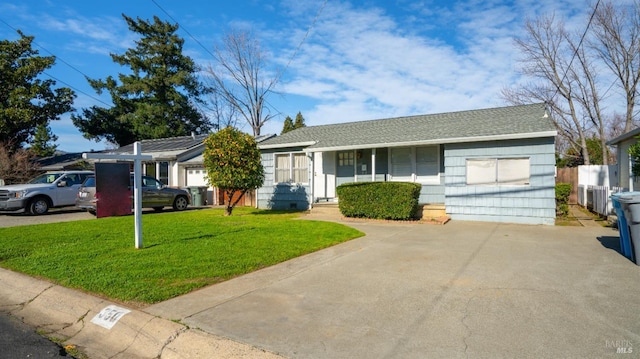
(137, 159)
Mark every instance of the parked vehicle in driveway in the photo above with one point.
(51, 189)
(154, 195)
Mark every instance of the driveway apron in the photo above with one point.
(465, 289)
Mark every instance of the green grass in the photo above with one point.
(182, 251)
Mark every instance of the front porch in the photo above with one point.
(418, 164)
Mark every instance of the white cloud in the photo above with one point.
(365, 63)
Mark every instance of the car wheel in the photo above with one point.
(38, 206)
(180, 203)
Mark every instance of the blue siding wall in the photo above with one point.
(532, 204)
(281, 195)
(432, 194)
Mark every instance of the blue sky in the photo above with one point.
(361, 60)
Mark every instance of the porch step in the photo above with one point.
(326, 208)
(435, 210)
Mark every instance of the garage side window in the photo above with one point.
(291, 167)
(498, 171)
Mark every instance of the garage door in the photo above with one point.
(196, 177)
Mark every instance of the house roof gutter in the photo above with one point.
(286, 145)
(435, 141)
(623, 137)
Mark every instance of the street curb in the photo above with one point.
(65, 314)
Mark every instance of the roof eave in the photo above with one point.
(624, 137)
(286, 145)
(438, 141)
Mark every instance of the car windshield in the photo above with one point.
(46, 178)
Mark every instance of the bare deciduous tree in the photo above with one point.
(547, 52)
(616, 29)
(16, 166)
(240, 77)
(588, 96)
(575, 77)
(223, 113)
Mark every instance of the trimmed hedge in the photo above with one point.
(563, 190)
(379, 200)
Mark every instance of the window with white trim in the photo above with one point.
(345, 158)
(498, 171)
(415, 164)
(291, 167)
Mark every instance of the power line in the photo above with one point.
(575, 52)
(183, 28)
(304, 38)
(64, 62)
(213, 56)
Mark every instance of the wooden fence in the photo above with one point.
(569, 175)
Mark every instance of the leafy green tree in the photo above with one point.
(42, 141)
(26, 101)
(299, 121)
(290, 125)
(573, 158)
(156, 99)
(634, 153)
(287, 126)
(233, 164)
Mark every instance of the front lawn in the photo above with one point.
(182, 250)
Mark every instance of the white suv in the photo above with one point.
(51, 189)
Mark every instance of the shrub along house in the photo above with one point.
(494, 164)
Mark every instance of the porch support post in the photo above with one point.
(630, 173)
(373, 165)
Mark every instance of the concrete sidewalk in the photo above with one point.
(465, 289)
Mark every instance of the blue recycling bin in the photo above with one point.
(623, 227)
(630, 203)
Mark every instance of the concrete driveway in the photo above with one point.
(462, 290)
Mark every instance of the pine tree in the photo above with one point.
(26, 101)
(299, 121)
(287, 126)
(43, 141)
(155, 99)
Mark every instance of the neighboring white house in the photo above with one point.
(170, 160)
(624, 165)
(177, 161)
(494, 164)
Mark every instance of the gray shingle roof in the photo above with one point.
(463, 126)
(165, 144)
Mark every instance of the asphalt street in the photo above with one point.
(18, 340)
